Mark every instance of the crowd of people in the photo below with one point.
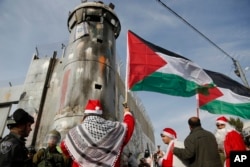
(201, 147)
(100, 142)
(94, 142)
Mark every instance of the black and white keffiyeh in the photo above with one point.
(96, 142)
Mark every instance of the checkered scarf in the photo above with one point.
(96, 142)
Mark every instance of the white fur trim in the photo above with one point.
(221, 122)
(127, 113)
(93, 112)
(168, 134)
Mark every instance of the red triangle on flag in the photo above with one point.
(142, 60)
(212, 94)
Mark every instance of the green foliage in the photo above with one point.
(237, 123)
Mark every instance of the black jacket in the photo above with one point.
(13, 152)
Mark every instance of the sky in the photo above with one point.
(25, 25)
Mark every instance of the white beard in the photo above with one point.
(220, 135)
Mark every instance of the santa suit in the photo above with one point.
(233, 142)
(69, 147)
(169, 159)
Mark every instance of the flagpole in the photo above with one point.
(197, 105)
(127, 72)
(198, 112)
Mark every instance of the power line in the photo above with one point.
(195, 29)
(238, 71)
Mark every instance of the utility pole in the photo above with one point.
(239, 72)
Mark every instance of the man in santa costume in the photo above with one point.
(97, 141)
(228, 139)
(169, 137)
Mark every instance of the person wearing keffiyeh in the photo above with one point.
(97, 141)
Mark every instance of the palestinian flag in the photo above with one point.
(228, 97)
(152, 68)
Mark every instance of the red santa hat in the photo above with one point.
(93, 107)
(169, 132)
(222, 120)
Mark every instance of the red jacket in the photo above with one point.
(233, 142)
